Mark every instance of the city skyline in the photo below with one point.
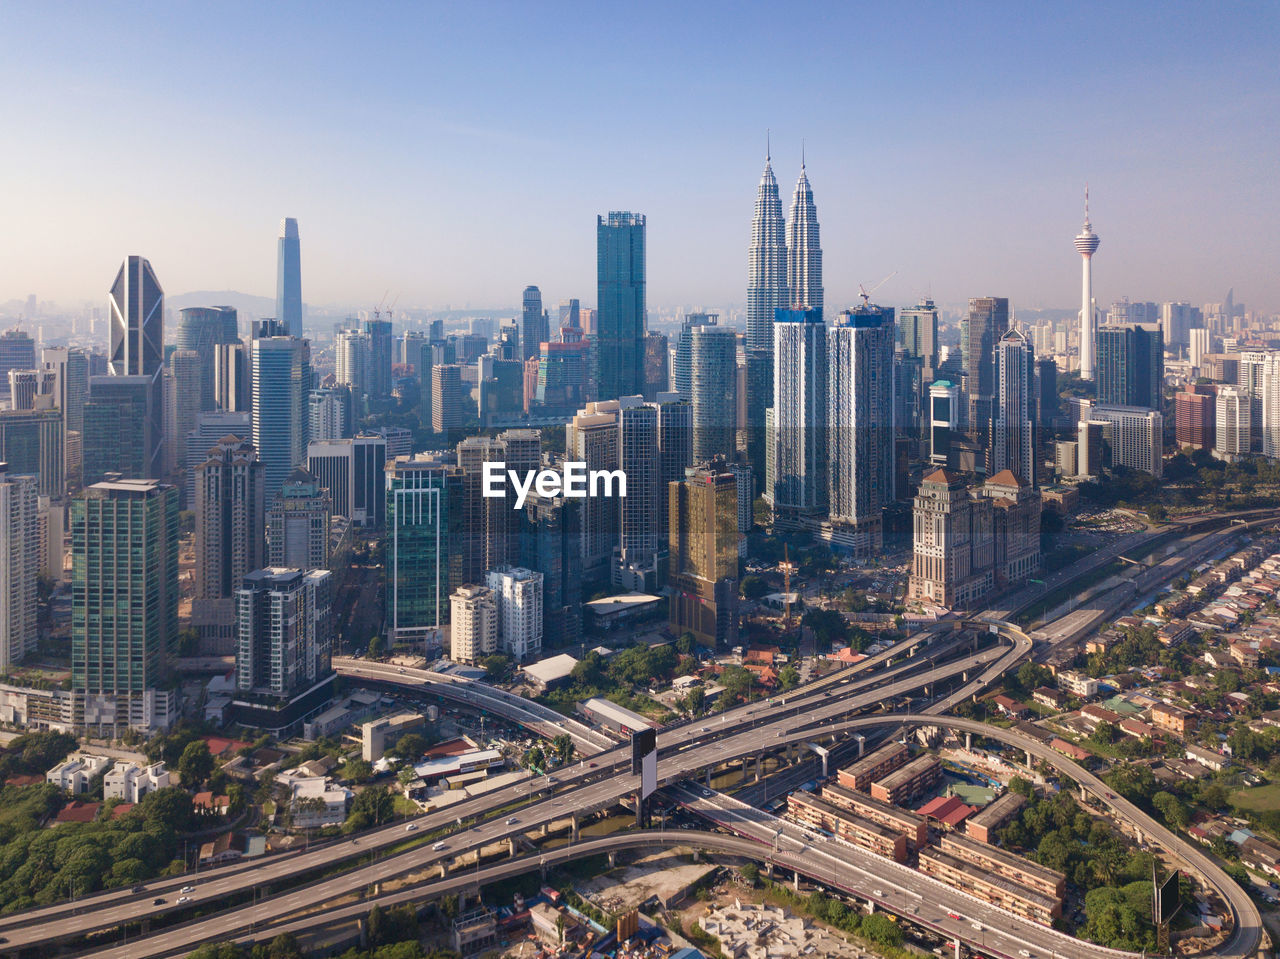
(433, 163)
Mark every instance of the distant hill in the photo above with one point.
(246, 304)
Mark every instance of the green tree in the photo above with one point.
(563, 748)
(410, 746)
(696, 702)
(195, 764)
(686, 644)
(788, 677)
(737, 683)
(754, 587)
(371, 807)
(879, 928)
(284, 946)
(1171, 809)
(375, 647)
(750, 873)
(497, 668)
(356, 771)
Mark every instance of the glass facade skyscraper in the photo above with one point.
(1131, 365)
(289, 278)
(620, 299)
(281, 381)
(419, 532)
(137, 352)
(798, 440)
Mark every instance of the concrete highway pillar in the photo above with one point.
(573, 820)
(797, 882)
(462, 901)
(957, 948)
(613, 860)
(511, 847)
(968, 742)
(708, 777)
(1028, 754)
(964, 676)
(546, 827)
(768, 869)
(759, 764)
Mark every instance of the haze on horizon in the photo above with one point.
(453, 154)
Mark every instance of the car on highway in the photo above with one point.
(138, 889)
(411, 827)
(1024, 953)
(187, 889)
(438, 846)
(879, 892)
(158, 901)
(512, 821)
(953, 915)
(182, 899)
(706, 793)
(976, 926)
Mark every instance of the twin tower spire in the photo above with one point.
(785, 260)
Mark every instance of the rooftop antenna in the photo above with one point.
(768, 145)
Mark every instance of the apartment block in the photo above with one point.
(912, 826)
(923, 772)
(872, 766)
(805, 807)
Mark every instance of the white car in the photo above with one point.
(411, 827)
(187, 889)
(182, 899)
(976, 925)
(1025, 954)
(706, 793)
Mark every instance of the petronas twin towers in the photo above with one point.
(785, 269)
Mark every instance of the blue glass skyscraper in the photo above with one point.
(620, 289)
(289, 278)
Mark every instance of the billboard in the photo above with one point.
(1166, 899)
(644, 760)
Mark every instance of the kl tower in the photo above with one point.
(1087, 244)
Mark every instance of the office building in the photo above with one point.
(1194, 409)
(682, 367)
(1135, 436)
(352, 362)
(298, 524)
(517, 593)
(473, 624)
(201, 329)
(327, 414)
(183, 385)
(535, 325)
(289, 279)
(124, 603)
(918, 333)
(211, 427)
(31, 389)
(713, 391)
(281, 376)
(31, 442)
(980, 331)
(766, 263)
(675, 449)
(1176, 322)
(1201, 346)
(446, 398)
(378, 373)
(550, 543)
(20, 566)
(620, 299)
(703, 544)
(1131, 365)
(232, 389)
(564, 376)
(1015, 516)
(1046, 393)
(353, 471)
(860, 423)
(944, 420)
(1233, 422)
(657, 365)
(418, 543)
(489, 527)
(230, 506)
(17, 352)
(284, 650)
(1093, 447)
(804, 252)
(592, 438)
(70, 369)
(953, 551)
(640, 460)
(1086, 245)
(798, 445)
(1013, 431)
(136, 358)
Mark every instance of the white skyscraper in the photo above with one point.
(797, 423)
(860, 421)
(804, 250)
(19, 566)
(1233, 408)
(473, 624)
(1086, 245)
(518, 594)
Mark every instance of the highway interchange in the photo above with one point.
(817, 710)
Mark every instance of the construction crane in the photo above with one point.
(786, 567)
(866, 294)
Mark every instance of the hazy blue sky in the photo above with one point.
(455, 152)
